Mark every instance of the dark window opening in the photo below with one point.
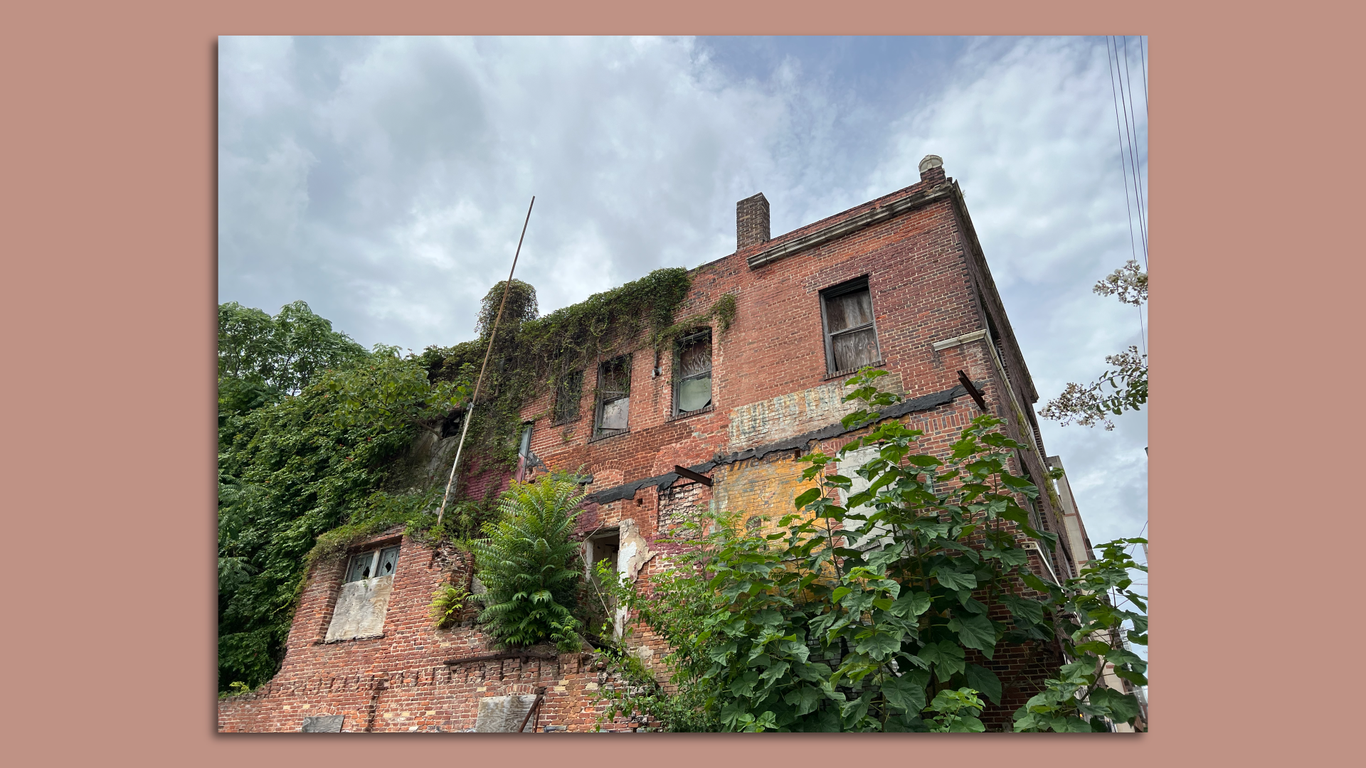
(567, 393)
(692, 373)
(614, 397)
(604, 547)
(850, 332)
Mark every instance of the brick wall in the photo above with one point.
(928, 282)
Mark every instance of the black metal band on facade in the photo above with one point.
(801, 442)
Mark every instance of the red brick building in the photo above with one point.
(899, 282)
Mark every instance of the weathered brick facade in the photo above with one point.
(936, 312)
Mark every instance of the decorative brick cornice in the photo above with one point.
(835, 230)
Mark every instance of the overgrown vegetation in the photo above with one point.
(314, 434)
(303, 477)
(799, 630)
(531, 565)
(265, 357)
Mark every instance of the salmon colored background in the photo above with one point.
(109, 294)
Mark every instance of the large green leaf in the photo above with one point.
(984, 680)
(954, 579)
(947, 658)
(907, 692)
(975, 631)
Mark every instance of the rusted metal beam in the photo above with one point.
(972, 390)
(691, 475)
(535, 707)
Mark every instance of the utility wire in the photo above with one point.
(493, 334)
(1133, 146)
(1143, 60)
(1123, 164)
(1139, 536)
(1142, 331)
(1132, 159)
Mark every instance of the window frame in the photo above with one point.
(376, 556)
(599, 432)
(568, 398)
(678, 378)
(835, 291)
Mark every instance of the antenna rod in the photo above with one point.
(507, 288)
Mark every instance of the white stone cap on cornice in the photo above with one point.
(955, 341)
(931, 161)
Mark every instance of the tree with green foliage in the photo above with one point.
(1124, 387)
(280, 354)
(530, 565)
(304, 471)
(801, 630)
(1093, 629)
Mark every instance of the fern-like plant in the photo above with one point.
(531, 566)
(447, 604)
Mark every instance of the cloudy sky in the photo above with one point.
(384, 181)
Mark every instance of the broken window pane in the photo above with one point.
(388, 558)
(693, 377)
(360, 566)
(614, 389)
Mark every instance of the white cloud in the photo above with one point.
(385, 181)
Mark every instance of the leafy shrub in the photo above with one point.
(531, 566)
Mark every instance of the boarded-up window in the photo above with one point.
(364, 597)
(505, 714)
(568, 389)
(614, 396)
(323, 724)
(692, 373)
(850, 333)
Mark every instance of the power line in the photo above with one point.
(1142, 59)
(1142, 331)
(1139, 536)
(1132, 158)
(1133, 145)
(1123, 166)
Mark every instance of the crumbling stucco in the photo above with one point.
(792, 414)
(633, 552)
(360, 610)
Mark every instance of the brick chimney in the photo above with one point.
(751, 221)
(932, 168)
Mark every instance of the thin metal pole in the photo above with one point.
(493, 334)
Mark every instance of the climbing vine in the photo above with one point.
(312, 465)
